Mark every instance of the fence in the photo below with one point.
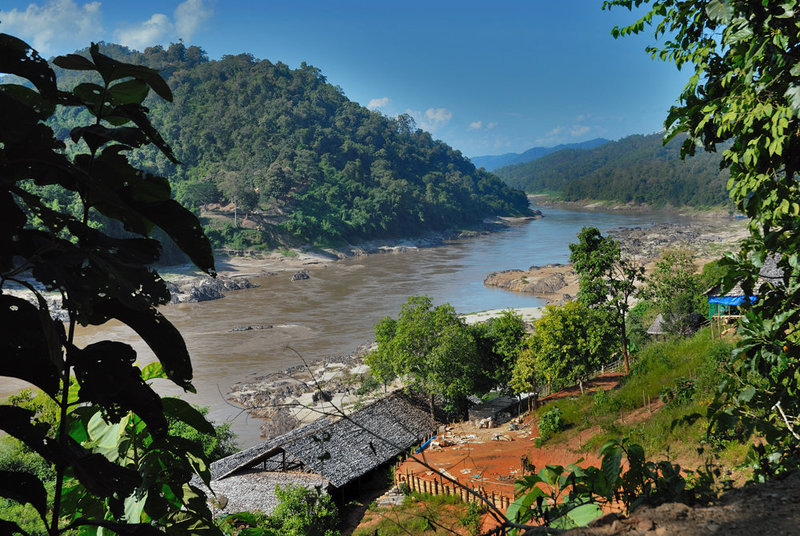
(436, 485)
(614, 366)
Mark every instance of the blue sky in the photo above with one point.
(486, 77)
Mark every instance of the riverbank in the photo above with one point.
(708, 238)
(333, 385)
(595, 205)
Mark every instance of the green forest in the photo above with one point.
(286, 145)
(638, 169)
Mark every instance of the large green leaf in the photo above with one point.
(74, 62)
(24, 488)
(585, 514)
(108, 378)
(159, 334)
(25, 352)
(111, 69)
(184, 412)
(16, 57)
(97, 135)
(20, 423)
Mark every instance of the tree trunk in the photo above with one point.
(235, 214)
(580, 384)
(625, 348)
(433, 416)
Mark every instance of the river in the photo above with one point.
(335, 310)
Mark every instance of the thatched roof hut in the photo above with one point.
(721, 304)
(330, 453)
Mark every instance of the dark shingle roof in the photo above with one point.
(345, 449)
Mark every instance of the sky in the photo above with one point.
(485, 77)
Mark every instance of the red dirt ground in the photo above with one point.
(491, 458)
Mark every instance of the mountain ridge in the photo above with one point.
(493, 162)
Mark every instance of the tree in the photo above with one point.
(607, 281)
(432, 349)
(568, 342)
(499, 341)
(745, 87)
(116, 466)
(675, 288)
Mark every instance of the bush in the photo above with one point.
(549, 423)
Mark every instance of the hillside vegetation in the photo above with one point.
(637, 169)
(285, 141)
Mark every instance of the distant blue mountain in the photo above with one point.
(492, 162)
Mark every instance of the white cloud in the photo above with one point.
(578, 130)
(55, 27)
(476, 125)
(491, 125)
(432, 118)
(156, 30)
(188, 18)
(378, 103)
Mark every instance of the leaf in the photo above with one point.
(585, 514)
(24, 488)
(98, 135)
(152, 371)
(793, 96)
(99, 475)
(134, 506)
(185, 229)
(111, 69)
(30, 98)
(611, 463)
(9, 527)
(74, 62)
(17, 57)
(19, 423)
(108, 378)
(184, 412)
(746, 395)
(130, 91)
(720, 11)
(106, 437)
(24, 348)
(159, 334)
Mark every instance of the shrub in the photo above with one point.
(549, 423)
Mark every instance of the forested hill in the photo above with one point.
(286, 142)
(493, 162)
(634, 169)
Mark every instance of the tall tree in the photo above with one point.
(607, 281)
(116, 465)
(432, 349)
(675, 287)
(745, 87)
(568, 342)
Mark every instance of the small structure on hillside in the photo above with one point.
(659, 327)
(724, 308)
(498, 410)
(331, 453)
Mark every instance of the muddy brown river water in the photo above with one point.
(335, 310)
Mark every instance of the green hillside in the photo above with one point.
(634, 169)
(286, 144)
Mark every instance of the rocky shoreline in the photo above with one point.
(558, 283)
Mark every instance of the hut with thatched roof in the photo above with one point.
(331, 452)
(724, 308)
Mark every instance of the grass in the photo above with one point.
(422, 513)
(662, 367)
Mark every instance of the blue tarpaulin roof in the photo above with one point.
(730, 300)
